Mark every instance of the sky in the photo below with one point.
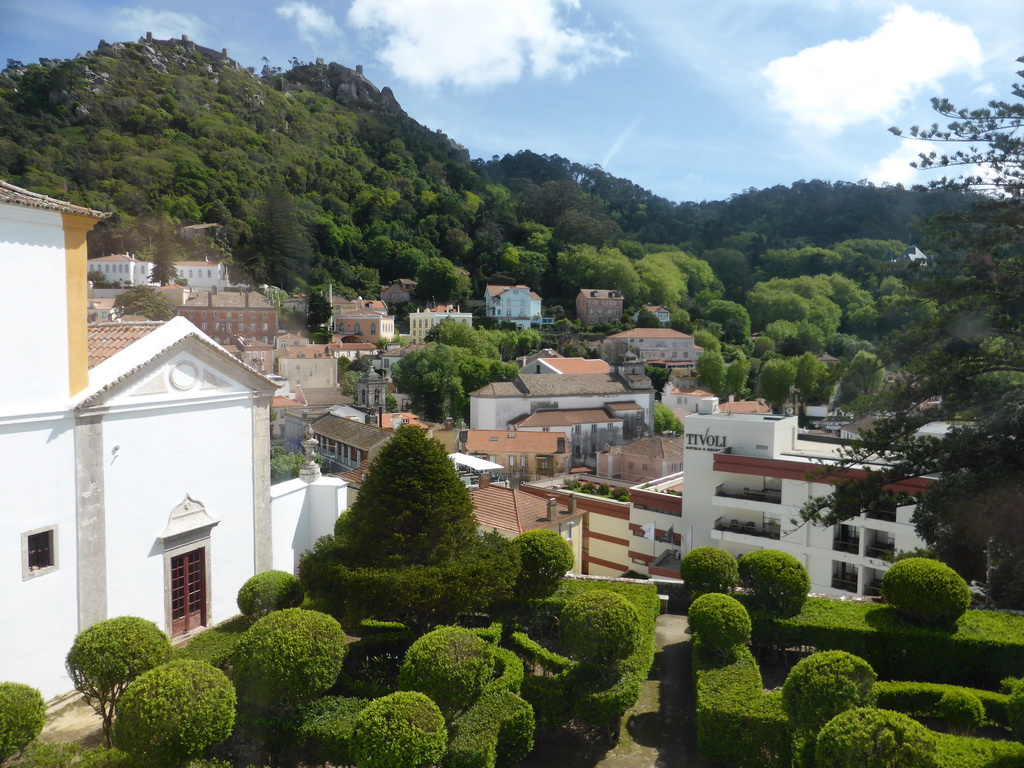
(691, 99)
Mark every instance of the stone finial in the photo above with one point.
(310, 471)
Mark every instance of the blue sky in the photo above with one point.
(692, 100)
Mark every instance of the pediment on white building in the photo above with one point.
(189, 369)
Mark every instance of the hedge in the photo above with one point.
(875, 738)
(600, 628)
(984, 648)
(777, 580)
(216, 645)
(738, 724)
(326, 726)
(509, 672)
(971, 752)
(824, 685)
(496, 731)
(537, 654)
(922, 699)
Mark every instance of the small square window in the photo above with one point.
(38, 552)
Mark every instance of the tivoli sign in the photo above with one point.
(705, 442)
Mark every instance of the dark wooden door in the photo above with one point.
(188, 591)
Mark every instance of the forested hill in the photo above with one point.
(317, 176)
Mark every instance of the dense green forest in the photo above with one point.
(311, 191)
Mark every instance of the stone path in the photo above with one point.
(660, 733)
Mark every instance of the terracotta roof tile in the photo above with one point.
(510, 511)
(546, 385)
(362, 436)
(650, 333)
(564, 418)
(653, 446)
(506, 441)
(745, 406)
(107, 339)
(577, 365)
(18, 196)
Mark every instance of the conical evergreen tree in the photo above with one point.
(412, 508)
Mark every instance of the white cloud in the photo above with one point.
(843, 82)
(895, 167)
(479, 44)
(135, 22)
(313, 24)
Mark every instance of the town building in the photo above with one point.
(592, 409)
(366, 325)
(513, 304)
(598, 306)
(643, 459)
(523, 455)
(399, 292)
(224, 315)
(747, 477)
(344, 443)
(563, 365)
(255, 354)
(662, 313)
(511, 512)
(128, 270)
(421, 322)
(313, 366)
(146, 489)
(661, 347)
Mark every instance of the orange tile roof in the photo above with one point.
(650, 333)
(280, 401)
(577, 365)
(506, 441)
(511, 511)
(565, 418)
(107, 339)
(745, 406)
(305, 351)
(18, 196)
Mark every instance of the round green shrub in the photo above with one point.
(962, 710)
(22, 716)
(451, 665)
(777, 580)
(874, 738)
(926, 591)
(107, 656)
(269, 591)
(1015, 710)
(402, 730)
(544, 559)
(709, 569)
(720, 621)
(824, 684)
(288, 657)
(600, 628)
(175, 712)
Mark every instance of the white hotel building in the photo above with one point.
(746, 478)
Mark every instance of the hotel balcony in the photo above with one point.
(850, 545)
(750, 494)
(881, 550)
(768, 529)
(844, 583)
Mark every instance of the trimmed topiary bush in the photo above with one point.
(175, 712)
(22, 716)
(824, 684)
(926, 591)
(777, 580)
(287, 658)
(962, 710)
(108, 656)
(402, 730)
(326, 726)
(720, 621)
(875, 738)
(1015, 710)
(600, 628)
(544, 559)
(269, 591)
(451, 665)
(709, 569)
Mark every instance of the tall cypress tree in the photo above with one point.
(412, 508)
